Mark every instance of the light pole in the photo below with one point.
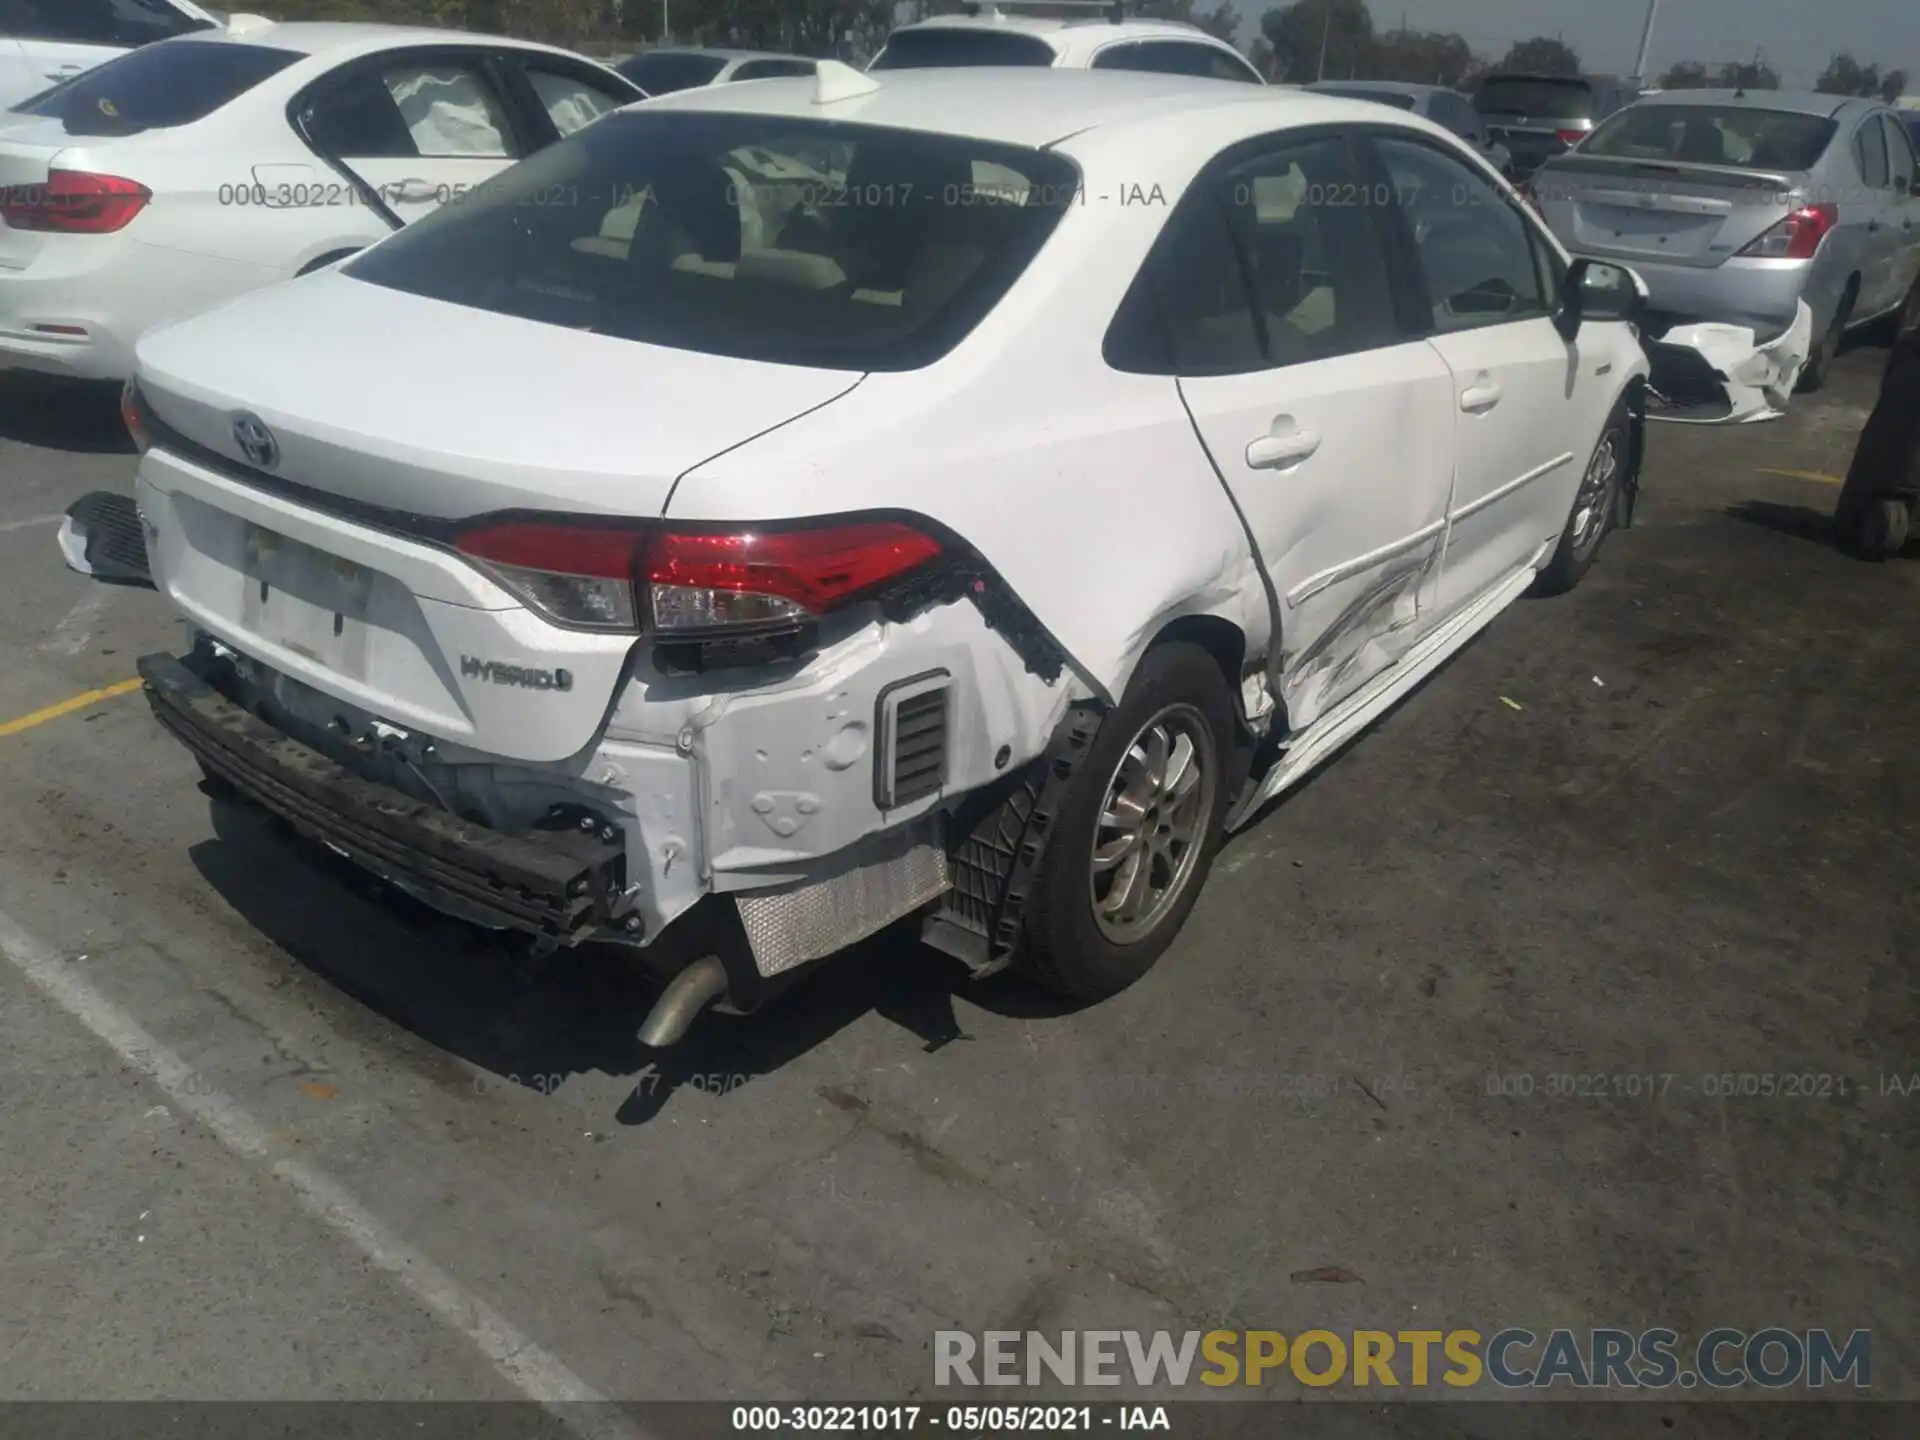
(1646, 41)
(666, 23)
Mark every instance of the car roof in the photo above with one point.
(1070, 34)
(1799, 102)
(1014, 105)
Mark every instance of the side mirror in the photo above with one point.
(1599, 290)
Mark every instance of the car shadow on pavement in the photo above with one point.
(55, 414)
(477, 995)
(1802, 522)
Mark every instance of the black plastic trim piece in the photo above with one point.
(982, 917)
(560, 885)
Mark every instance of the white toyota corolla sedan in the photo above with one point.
(187, 172)
(975, 536)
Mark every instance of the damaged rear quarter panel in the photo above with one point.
(785, 760)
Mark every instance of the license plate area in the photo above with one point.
(313, 603)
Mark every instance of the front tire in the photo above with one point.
(1595, 505)
(1138, 829)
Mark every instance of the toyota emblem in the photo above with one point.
(256, 441)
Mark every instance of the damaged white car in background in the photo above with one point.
(974, 535)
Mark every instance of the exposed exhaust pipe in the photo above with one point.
(680, 1004)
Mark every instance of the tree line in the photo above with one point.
(1298, 42)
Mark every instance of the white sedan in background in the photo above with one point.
(1076, 463)
(188, 172)
(43, 42)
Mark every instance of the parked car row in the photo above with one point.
(43, 42)
(726, 530)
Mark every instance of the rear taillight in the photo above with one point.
(1798, 236)
(578, 575)
(693, 583)
(715, 581)
(133, 417)
(73, 202)
(1569, 137)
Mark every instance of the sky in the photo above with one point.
(1796, 37)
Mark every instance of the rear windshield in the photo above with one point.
(798, 241)
(1735, 135)
(1536, 99)
(933, 49)
(159, 87)
(664, 73)
(1379, 97)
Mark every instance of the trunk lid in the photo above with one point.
(411, 404)
(428, 411)
(1666, 211)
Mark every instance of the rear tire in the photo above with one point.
(1879, 531)
(1813, 375)
(1595, 506)
(1137, 830)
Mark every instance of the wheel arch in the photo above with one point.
(1227, 643)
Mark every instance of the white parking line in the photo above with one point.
(74, 633)
(532, 1371)
(29, 522)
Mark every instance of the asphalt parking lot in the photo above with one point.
(1658, 828)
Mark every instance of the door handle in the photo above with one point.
(1478, 399)
(413, 191)
(1277, 452)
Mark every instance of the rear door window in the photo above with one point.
(159, 87)
(1900, 156)
(407, 109)
(798, 241)
(941, 47)
(571, 101)
(1870, 153)
(120, 23)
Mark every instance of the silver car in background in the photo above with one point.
(1735, 207)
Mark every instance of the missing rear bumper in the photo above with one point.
(1706, 374)
(557, 885)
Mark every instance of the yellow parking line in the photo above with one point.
(1814, 475)
(67, 707)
